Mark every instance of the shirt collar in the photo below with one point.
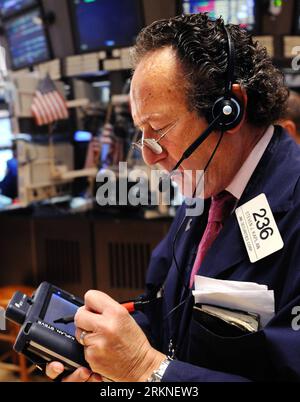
(241, 179)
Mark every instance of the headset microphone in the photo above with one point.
(188, 152)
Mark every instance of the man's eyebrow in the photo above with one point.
(147, 118)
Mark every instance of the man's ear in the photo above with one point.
(290, 127)
(240, 93)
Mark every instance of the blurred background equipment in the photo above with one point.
(9, 8)
(27, 39)
(242, 12)
(8, 161)
(37, 160)
(97, 24)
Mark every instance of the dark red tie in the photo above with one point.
(221, 207)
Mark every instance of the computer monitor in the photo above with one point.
(12, 7)
(296, 19)
(100, 24)
(242, 12)
(27, 39)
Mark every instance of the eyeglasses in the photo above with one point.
(152, 143)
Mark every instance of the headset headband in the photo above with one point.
(230, 65)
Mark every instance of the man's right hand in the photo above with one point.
(82, 374)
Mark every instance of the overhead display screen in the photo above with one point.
(11, 7)
(105, 23)
(241, 12)
(27, 39)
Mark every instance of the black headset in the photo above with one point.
(227, 111)
(228, 106)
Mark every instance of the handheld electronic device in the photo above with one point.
(41, 339)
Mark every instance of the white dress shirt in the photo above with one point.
(241, 179)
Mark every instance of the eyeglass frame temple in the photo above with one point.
(140, 142)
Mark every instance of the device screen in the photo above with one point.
(59, 307)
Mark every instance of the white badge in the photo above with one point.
(260, 232)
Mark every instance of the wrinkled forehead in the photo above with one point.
(157, 83)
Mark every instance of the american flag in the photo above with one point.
(48, 105)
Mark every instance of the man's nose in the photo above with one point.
(152, 158)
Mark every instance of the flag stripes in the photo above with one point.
(48, 105)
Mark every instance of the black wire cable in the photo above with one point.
(173, 348)
(184, 219)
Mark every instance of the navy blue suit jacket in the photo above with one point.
(272, 353)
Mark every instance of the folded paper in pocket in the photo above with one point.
(244, 296)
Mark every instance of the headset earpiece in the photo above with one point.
(231, 111)
(228, 107)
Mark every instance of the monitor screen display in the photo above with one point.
(82, 136)
(6, 134)
(240, 12)
(296, 19)
(5, 156)
(11, 7)
(100, 24)
(59, 307)
(27, 40)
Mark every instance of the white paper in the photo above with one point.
(246, 296)
(218, 284)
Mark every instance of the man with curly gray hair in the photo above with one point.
(180, 89)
